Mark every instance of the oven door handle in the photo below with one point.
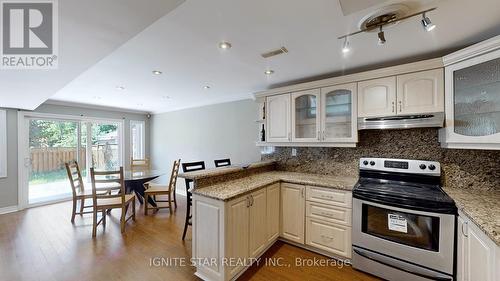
(388, 263)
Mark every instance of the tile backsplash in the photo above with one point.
(474, 169)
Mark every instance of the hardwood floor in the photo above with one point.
(42, 244)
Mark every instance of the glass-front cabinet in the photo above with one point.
(338, 114)
(473, 100)
(305, 116)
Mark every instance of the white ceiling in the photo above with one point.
(88, 31)
(183, 45)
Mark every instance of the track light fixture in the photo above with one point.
(381, 37)
(427, 23)
(380, 21)
(345, 47)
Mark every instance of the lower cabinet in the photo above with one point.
(257, 217)
(333, 238)
(292, 212)
(478, 257)
(273, 212)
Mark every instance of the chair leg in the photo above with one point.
(175, 199)
(186, 223)
(133, 209)
(146, 198)
(104, 217)
(82, 204)
(169, 204)
(122, 219)
(94, 223)
(73, 213)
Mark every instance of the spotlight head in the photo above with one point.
(381, 37)
(427, 23)
(346, 48)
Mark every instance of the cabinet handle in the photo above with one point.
(326, 237)
(326, 214)
(393, 107)
(289, 136)
(327, 196)
(400, 106)
(248, 201)
(463, 232)
(324, 135)
(302, 192)
(251, 197)
(319, 135)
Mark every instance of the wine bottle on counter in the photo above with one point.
(263, 134)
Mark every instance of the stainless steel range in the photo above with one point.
(403, 222)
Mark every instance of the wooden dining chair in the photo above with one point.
(140, 164)
(190, 167)
(104, 202)
(157, 189)
(80, 193)
(222, 162)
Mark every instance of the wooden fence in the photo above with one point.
(53, 159)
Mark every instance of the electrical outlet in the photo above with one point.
(294, 152)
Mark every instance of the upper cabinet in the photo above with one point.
(414, 93)
(472, 80)
(338, 113)
(377, 97)
(305, 116)
(420, 92)
(278, 118)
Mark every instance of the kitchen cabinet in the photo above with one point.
(305, 116)
(472, 86)
(377, 97)
(238, 216)
(420, 92)
(273, 212)
(339, 113)
(278, 118)
(258, 229)
(333, 238)
(292, 212)
(478, 257)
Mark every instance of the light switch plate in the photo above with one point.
(294, 152)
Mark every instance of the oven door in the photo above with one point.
(422, 238)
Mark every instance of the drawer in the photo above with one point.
(329, 213)
(333, 238)
(329, 196)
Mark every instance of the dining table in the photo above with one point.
(135, 180)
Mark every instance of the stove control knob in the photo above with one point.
(422, 166)
(372, 163)
(365, 162)
(432, 167)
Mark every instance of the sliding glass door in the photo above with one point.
(51, 142)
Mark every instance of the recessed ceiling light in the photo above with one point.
(206, 87)
(140, 104)
(225, 45)
(97, 97)
(121, 88)
(165, 97)
(269, 72)
(157, 72)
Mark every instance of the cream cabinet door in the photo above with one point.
(329, 237)
(377, 97)
(306, 116)
(237, 232)
(339, 113)
(278, 118)
(420, 92)
(273, 212)
(258, 227)
(292, 212)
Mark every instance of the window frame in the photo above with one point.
(142, 147)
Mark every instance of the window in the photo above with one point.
(3, 143)
(138, 139)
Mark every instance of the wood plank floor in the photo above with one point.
(42, 244)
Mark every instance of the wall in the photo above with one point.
(9, 185)
(475, 169)
(226, 130)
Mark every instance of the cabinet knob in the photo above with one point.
(400, 106)
(393, 107)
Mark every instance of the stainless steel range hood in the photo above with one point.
(402, 121)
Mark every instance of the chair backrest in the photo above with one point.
(173, 175)
(107, 177)
(222, 162)
(191, 167)
(140, 164)
(75, 177)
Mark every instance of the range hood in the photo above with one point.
(402, 121)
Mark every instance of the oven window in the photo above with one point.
(404, 228)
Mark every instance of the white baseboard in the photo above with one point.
(9, 209)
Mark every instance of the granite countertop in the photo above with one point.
(230, 189)
(482, 207)
(223, 170)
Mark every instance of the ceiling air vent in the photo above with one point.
(276, 52)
